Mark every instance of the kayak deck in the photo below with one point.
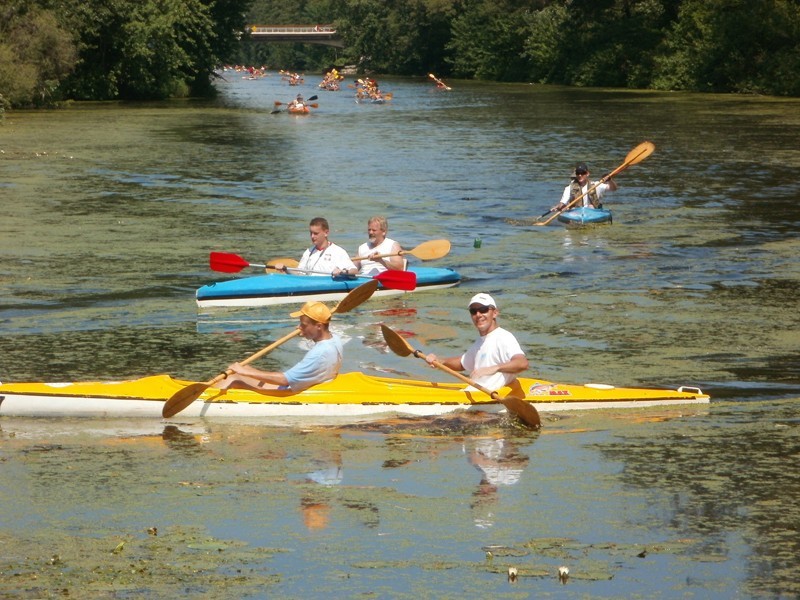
(281, 288)
(585, 215)
(351, 395)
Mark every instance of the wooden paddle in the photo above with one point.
(393, 280)
(525, 411)
(439, 82)
(184, 397)
(425, 251)
(312, 105)
(636, 155)
(226, 262)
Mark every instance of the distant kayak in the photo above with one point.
(585, 215)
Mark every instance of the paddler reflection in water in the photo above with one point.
(321, 363)
(495, 358)
(593, 192)
(500, 464)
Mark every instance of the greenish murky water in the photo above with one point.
(110, 212)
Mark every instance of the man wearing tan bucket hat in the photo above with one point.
(321, 363)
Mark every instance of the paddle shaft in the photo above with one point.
(425, 251)
(184, 397)
(258, 355)
(636, 155)
(525, 411)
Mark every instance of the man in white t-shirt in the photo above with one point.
(373, 262)
(323, 256)
(495, 358)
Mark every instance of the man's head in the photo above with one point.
(318, 230)
(377, 228)
(314, 319)
(483, 310)
(581, 172)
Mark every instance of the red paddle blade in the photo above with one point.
(225, 262)
(398, 280)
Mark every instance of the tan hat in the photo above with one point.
(314, 310)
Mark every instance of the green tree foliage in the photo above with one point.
(106, 49)
(488, 39)
(695, 45)
(109, 49)
(36, 54)
(732, 45)
(150, 49)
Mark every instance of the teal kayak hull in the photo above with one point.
(280, 288)
(585, 216)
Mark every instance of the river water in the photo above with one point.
(110, 211)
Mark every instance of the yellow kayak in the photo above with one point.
(351, 395)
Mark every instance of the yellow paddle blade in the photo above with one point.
(289, 263)
(396, 342)
(431, 250)
(357, 296)
(639, 153)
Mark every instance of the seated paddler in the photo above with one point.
(320, 364)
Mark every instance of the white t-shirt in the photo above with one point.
(333, 257)
(373, 267)
(494, 348)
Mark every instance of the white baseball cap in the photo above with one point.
(483, 299)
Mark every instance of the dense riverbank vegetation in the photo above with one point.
(144, 49)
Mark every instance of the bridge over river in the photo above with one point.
(325, 35)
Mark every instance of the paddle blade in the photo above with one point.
(396, 342)
(183, 398)
(357, 296)
(225, 262)
(431, 250)
(398, 280)
(312, 98)
(289, 263)
(639, 153)
(524, 411)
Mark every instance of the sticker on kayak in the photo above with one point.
(547, 390)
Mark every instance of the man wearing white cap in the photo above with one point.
(495, 358)
(321, 363)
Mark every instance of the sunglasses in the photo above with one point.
(581, 172)
(483, 310)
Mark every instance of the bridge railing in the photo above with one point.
(289, 29)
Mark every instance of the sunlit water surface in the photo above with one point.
(110, 211)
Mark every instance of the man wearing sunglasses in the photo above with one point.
(592, 192)
(495, 358)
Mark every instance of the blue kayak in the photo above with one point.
(281, 288)
(585, 215)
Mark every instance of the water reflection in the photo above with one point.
(501, 463)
